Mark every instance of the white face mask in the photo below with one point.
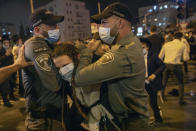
(53, 35)
(66, 72)
(105, 36)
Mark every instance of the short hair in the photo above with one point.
(146, 41)
(178, 35)
(153, 28)
(66, 49)
(15, 38)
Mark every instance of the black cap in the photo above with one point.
(5, 37)
(117, 9)
(43, 16)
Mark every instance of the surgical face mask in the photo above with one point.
(66, 72)
(53, 36)
(105, 36)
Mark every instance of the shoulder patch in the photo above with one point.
(107, 58)
(43, 61)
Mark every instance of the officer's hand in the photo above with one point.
(20, 61)
(102, 49)
(152, 77)
(93, 44)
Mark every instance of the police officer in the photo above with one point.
(122, 68)
(41, 81)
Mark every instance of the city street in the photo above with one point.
(176, 117)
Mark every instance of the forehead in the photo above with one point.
(6, 41)
(48, 26)
(111, 18)
(62, 60)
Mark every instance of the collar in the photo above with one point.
(126, 40)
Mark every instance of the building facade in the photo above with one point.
(161, 15)
(76, 24)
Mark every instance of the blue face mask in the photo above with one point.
(66, 72)
(53, 36)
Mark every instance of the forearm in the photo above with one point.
(7, 71)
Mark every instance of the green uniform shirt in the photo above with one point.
(124, 70)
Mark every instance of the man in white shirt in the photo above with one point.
(173, 54)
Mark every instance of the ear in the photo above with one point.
(122, 23)
(36, 29)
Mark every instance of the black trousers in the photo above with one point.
(153, 103)
(4, 90)
(21, 87)
(178, 72)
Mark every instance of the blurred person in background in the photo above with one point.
(156, 39)
(6, 59)
(153, 83)
(169, 36)
(173, 54)
(20, 62)
(17, 45)
(192, 42)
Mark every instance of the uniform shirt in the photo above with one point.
(174, 52)
(123, 69)
(40, 80)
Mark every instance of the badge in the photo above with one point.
(108, 57)
(40, 49)
(43, 61)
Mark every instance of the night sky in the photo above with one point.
(18, 11)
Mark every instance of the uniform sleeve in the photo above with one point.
(39, 53)
(110, 66)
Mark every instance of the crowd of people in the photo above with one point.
(101, 83)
